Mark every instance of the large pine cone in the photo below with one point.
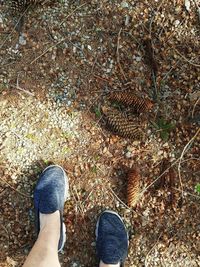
(122, 125)
(132, 100)
(133, 188)
(21, 5)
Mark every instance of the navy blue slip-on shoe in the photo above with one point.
(50, 194)
(111, 238)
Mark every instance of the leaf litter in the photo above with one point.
(71, 55)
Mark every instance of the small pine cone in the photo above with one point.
(133, 188)
(122, 125)
(130, 99)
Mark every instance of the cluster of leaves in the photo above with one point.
(164, 127)
(197, 188)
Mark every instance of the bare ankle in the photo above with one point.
(50, 222)
(108, 265)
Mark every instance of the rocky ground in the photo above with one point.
(57, 69)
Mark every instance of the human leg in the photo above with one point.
(49, 196)
(108, 265)
(45, 251)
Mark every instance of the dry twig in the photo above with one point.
(48, 49)
(14, 189)
(187, 193)
(146, 258)
(187, 60)
(21, 89)
(193, 110)
(14, 27)
(118, 56)
(72, 13)
(181, 157)
(198, 9)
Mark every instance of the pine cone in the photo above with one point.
(133, 187)
(21, 5)
(130, 99)
(122, 125)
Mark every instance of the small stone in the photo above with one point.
(128, 155)
(89, 47)
(176, 22)
(93, 244)
(124, 4)
(104, 150)
(187, 5)
(138, 59)
(1, 19)
(22, 40)
(127, 20)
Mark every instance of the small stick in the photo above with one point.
(24, 195)
(193, 195)
(175, 30)
(182, 154)
(23, 90)
(72, 13)
(187, 60)
(14, 27)
(147, 187)
(102, 78)
(118, 57)
(47, 50)
(167, 74)
(198, 8)
(146, 258)
(193, 110)
(113, 193)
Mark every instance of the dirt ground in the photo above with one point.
(58, 68)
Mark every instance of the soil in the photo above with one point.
(58, 68)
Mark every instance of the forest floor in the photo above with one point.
(55, 76)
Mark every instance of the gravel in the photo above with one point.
(32, 130)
